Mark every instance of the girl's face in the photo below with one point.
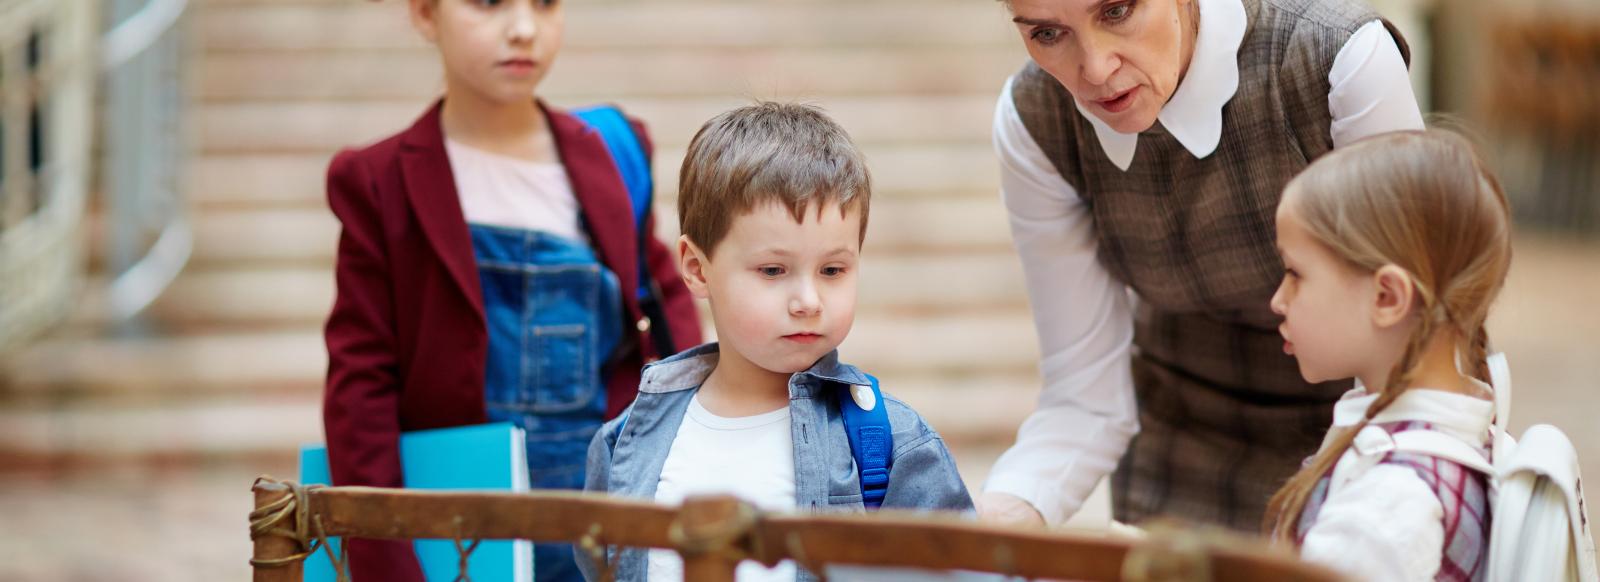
(1120, 59)
(1328, 324)
(493, 50)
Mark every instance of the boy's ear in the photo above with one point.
(692, 266)
(422, 18)
(1394, 298)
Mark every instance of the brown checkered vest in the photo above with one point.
(1225, 415)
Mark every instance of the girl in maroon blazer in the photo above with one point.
(486, 272)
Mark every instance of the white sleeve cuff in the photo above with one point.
(1051, 505)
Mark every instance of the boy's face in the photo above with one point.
(498, 50)
(782, 293)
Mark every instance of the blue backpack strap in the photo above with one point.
(866, 421)
(627, 153)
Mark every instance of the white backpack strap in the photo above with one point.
(1500, 380)
(1374, 443)
(1437, 444)
(1368, 448)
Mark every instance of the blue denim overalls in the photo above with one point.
(554, 314)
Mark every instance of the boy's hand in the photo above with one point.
(1005, 508)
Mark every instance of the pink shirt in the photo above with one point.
(505, 191)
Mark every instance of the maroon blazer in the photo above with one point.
(407, 341)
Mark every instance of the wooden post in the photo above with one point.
(710, 533)
(270, 544)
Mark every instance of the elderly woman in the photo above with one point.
(1143, 149)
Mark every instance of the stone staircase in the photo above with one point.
(227, 382)
(234, 361)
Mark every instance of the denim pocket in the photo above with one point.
(560, 373)
(553, 313)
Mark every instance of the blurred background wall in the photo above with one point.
(167, 250)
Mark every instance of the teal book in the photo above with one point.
(483, 457)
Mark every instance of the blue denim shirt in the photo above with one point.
(625, 459)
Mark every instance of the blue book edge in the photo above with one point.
(479, 457)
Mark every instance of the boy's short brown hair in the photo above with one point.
(787, 153)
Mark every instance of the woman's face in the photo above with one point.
(1121, 59)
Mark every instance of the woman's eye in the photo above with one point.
(832, 271)
(770, 271)
(1046, 36)
(1118, 12)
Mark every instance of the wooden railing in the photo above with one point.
(714, 534)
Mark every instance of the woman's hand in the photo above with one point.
(1005, 508)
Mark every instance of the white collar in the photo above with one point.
(1194, 114)
(1448, 411)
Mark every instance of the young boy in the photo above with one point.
(773, 202)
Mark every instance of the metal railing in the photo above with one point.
(47, 72)
(148, 237)
(50, 57)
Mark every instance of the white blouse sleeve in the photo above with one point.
(1086, 412)
(1384, 525)
(1371, 90)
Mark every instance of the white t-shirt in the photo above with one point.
(504, 191)
(751, 457)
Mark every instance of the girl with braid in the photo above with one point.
(1394, 248)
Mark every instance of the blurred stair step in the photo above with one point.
(166, 369)
(246, 425)
(318, 127)
(309, 236)
(293, 360)
(624, 75)
(925, 285)
(975, 413)
(910, 172)
(274, 25)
